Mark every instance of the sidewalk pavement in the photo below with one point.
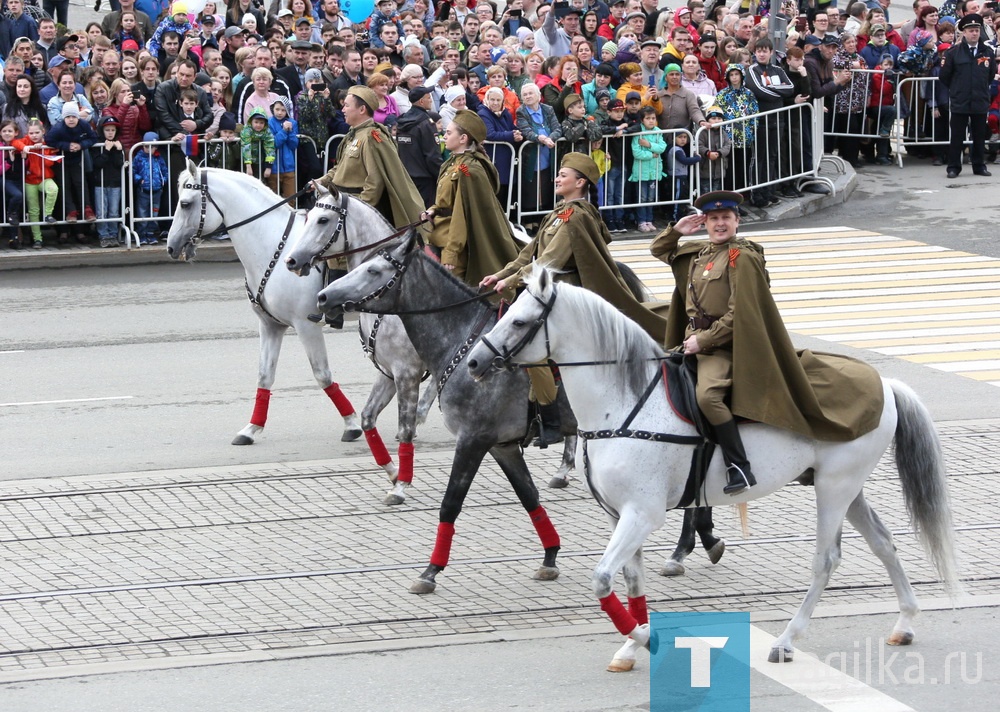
(90, 255)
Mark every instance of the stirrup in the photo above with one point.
(741, 481)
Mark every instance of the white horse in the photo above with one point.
(637, 480)
(211, 200)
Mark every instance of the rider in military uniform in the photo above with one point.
(723, 312)
(574, 240)
(470, 230)
(369, 168)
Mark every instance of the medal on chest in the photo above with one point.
(708, 269)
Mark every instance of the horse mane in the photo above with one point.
(621, 339)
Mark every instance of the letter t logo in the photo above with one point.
(701, 657)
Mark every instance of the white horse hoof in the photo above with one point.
(393, 499)
(716, 552)
(672, 568)
(780, 655)
(901, 637)
(422, 586)
(546, 573)
(621, 665)
(558, 482)
(242, 440)
(350, 435)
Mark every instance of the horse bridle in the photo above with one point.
(341, 210)
(502, 360)
(393, 280)
(207, 198)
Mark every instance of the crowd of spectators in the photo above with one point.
(609, 76)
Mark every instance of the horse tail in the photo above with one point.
(743, 512)
(922, 474)
(633, 282)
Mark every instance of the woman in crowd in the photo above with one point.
(588, 62)
(849, 103)
(239, 8)
(927, 20)
(99, 95)
(496, 78)
(469, 226)
(631, 75)
(221, 73)
(516, 77)
(387, 112)
(454, 101)
(533, 64)
(538, 124)
(565, 81)
(133, 119)
(695, 79)
(503, 136)
(66, 84)
(369, 60)
(602, 80)
(262, 96)
(130, 70)
(25, 106)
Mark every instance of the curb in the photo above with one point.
(87, 256)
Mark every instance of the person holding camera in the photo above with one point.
(554, 39)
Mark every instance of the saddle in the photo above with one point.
(682, 380)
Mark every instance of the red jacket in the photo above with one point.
(713, 70)
(883, 93)
(134, 122)
(36, 169)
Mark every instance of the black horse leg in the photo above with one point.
(704, 526)
(511, 461)
(468, 456)
(685, 544)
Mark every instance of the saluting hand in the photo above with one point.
(690, 224)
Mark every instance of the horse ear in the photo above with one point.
(321, 191)
(192, 169)
(544, 280)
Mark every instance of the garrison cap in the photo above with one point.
(470, 122)
(366, 95)
(583, 164)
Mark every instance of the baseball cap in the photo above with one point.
(633, 96)
(829, 40)
(419, 93)
(284, 12)
(57, 60)
(130, 46)
(233, 31)
(63, 41)
(302, 20)
(616, 104)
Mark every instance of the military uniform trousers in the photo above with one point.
(715, 379)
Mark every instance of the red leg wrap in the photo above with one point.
(622, 619)
(546, 532)
(259, 416)
(343, 405)
(637, 607)
(442, 547)
(377, 447)
(405, 463)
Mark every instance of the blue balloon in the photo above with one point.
(358, 11)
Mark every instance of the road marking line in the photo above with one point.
(12, 352)
(817, 681)
(68, 400)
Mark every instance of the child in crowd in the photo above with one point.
(225, 153)
(108, 159)
(714, 146)
(10, 175)
(285, 130)
(678, 161)
(149, 171)
(603, 98)
(882, 108)
(74, 137)
(257, 145)
(614, 180)
(190, 106)
(176, 21)
(647, 166)
(128, 29)
(39, 176)
(577, 129)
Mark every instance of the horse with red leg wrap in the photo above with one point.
(444, 318)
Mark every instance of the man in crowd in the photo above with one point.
(296, 64)
(419, 150)
(554, 38)
(351, 76)
(968, 69)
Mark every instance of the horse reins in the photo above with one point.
(348, 250)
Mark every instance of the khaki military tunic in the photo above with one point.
(551, 245)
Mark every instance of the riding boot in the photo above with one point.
(737, 466)
(549, 432)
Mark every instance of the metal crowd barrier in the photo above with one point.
(917, 100)
(870, 124)
(165, 199)
(81, 181)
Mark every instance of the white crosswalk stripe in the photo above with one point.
(923, 303)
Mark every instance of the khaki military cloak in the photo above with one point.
(367, 161)
(573, 237)
(819, 395)
(469, 224)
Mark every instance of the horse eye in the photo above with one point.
(185, 204)
(519, 323)
(373, 271)
(323, 221)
